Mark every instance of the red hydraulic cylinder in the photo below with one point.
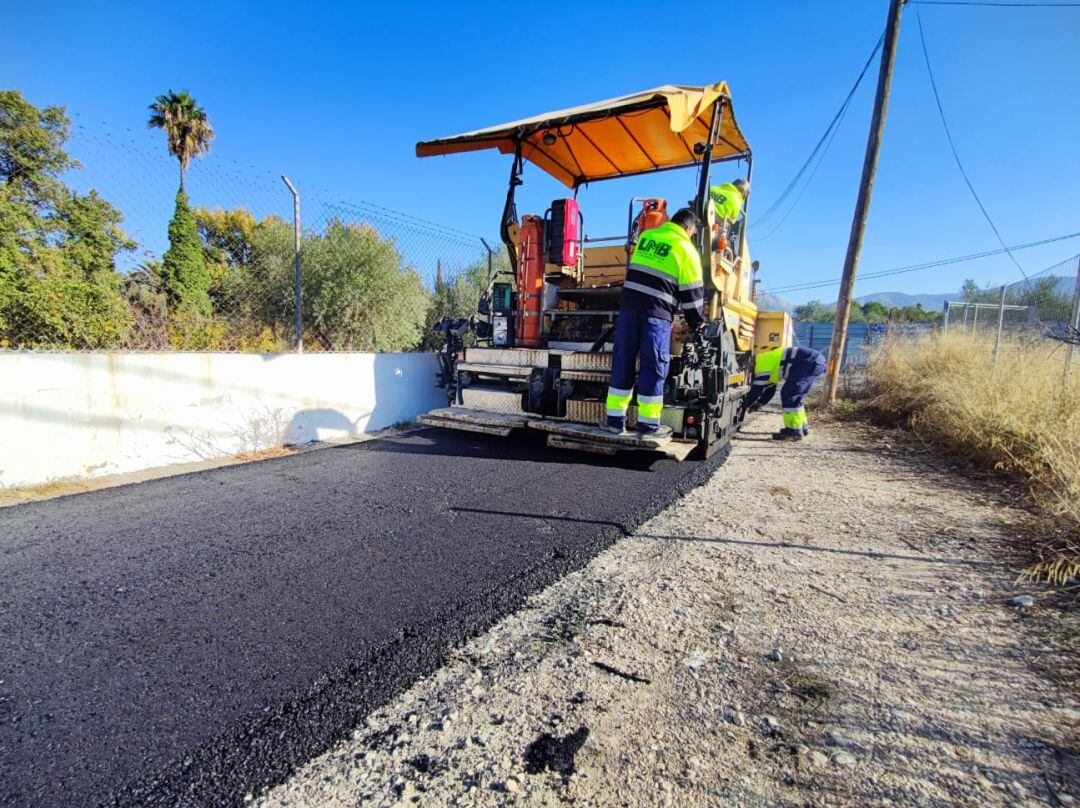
(530, 280)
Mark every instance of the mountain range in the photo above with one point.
(1063, 284)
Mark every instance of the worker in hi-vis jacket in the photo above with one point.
(728, 200)
(664, 278)
(798, 368)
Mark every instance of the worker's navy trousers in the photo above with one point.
(648, 339)
(803, 370)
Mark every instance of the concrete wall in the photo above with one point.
(90, 414)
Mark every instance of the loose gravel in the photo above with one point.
(823, 623)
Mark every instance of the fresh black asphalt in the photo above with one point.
(192, 639)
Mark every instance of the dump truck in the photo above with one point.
(537, 355)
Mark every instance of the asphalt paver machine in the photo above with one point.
(538, 354)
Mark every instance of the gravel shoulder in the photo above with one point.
(825, 623)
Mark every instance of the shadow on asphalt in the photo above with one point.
(526, 447)
(546, 517)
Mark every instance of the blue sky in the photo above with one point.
(336, 95)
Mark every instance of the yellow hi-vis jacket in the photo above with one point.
(665, 277)
(727, 200)
(770, 368)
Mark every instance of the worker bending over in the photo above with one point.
(728, 201)
(664, 278)
(798, 368)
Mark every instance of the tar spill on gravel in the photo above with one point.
(426, 764)
(556, 754)
(630, 677)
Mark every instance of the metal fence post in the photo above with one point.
(975, 319)
(1075, 322)
(490, 256)
(1001, 322)
(945, 323)
(298, 295)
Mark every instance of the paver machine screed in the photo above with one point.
(539, 353)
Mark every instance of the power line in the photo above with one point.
(926, 265)
(955, 153)
(822, 141)
(809, 180)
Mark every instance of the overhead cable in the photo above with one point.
(926, 265)
(956, 154)
(823, 141)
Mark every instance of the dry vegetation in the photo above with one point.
(1023, 418)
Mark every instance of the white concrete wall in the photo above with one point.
(90, 414)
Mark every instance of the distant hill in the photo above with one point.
(1063, 285)
(902, 299)
(767, 302)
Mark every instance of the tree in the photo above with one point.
(359, 295)
(971, 292)
(359, 292)
(186, 126)
(856, 315)
(814, 311)
(875, 312)
(250, 264)
(59, 287)
(32, 146)
(458, 295)
(1050, 299)
(185, 279)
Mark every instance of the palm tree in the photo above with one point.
(186, 127)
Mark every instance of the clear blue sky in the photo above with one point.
(336, 95)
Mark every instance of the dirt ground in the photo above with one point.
(825, 623)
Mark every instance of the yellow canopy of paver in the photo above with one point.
(633, 134)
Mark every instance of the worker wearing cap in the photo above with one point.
(798, 368)
(664, 279)
(728, 200)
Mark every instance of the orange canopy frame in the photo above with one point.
(654, 130)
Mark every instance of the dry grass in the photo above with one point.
(1023, 419)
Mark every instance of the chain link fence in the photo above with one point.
(235, 263)
(1041, 308)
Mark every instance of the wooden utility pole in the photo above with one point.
(862, 205)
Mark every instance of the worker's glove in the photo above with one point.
(764, 398)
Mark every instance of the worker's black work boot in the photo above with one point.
(788, 433)
(660, 432)
(614, 430)
(806, 430)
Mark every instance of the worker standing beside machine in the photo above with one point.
(663, 279)
(798, 369)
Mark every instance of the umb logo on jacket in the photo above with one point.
(657, 248)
